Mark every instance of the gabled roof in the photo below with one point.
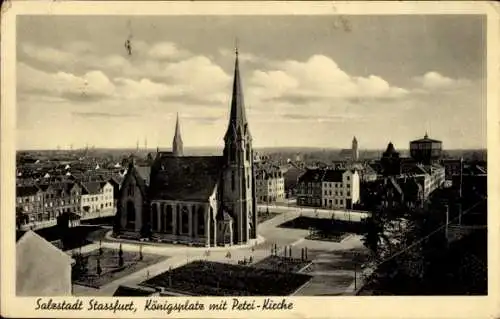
(312, 175)
(38, 263)
(333, 175)
(29, 190)
(396, 185)
(132, 173)
(390, 150)
(185, 178)
(144, 171)
(92, 188)
(426, 139)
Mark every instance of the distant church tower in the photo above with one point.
(355, 151)
(177, 148)
(238, 186)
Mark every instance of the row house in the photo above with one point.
(329, 188)
(309, 188)
(38, 206)
(97, 200)
(340, 189)
(269, 184)
(29, 201)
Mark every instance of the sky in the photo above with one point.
(313, 81)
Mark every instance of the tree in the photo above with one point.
(117, 222)
(98, 267)
(20, 218)
(120, 257)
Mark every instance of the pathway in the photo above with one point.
(328, 280)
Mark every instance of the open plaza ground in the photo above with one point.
(333, 265)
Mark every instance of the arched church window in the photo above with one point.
(232, 181)
(201, 221)
(130, 214)
(185, 220)
(170, 219)
(154, 217)
(232, 152)
(248, 152)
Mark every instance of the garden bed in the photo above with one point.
(283, 264)
(203, 278)
(110, 267)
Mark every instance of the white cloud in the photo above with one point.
(320, 78)
(433, 80)
(92, 84)
(48, 55)
(166, 50)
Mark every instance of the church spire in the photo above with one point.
(177, 146)
(238, 125)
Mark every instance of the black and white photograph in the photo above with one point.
(254, 155)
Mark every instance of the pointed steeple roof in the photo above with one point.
(177, 146)
(238, 124)
(177, 135)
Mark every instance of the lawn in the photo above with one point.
(332, 236)
(110, 268)
(205, 278)
(325, 225)
(283, 264)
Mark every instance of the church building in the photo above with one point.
(195, 200)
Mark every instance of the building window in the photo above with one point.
(130, 214)
(232, 181)
(185, 220)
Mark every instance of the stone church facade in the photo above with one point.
(195, 200)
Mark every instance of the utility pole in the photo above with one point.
(461, 176)
(460, 213)
(447, 221)
(355, 275)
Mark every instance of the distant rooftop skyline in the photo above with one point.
(307, 80)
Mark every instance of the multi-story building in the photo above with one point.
(29, 203)
(309, 188)
(97, 200)
(426, 151)
(269, 184)
(340, 189)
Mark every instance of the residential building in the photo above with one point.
(340, 189)
(97, 200)
(29, 203)
(269, 184)
(310, 188)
